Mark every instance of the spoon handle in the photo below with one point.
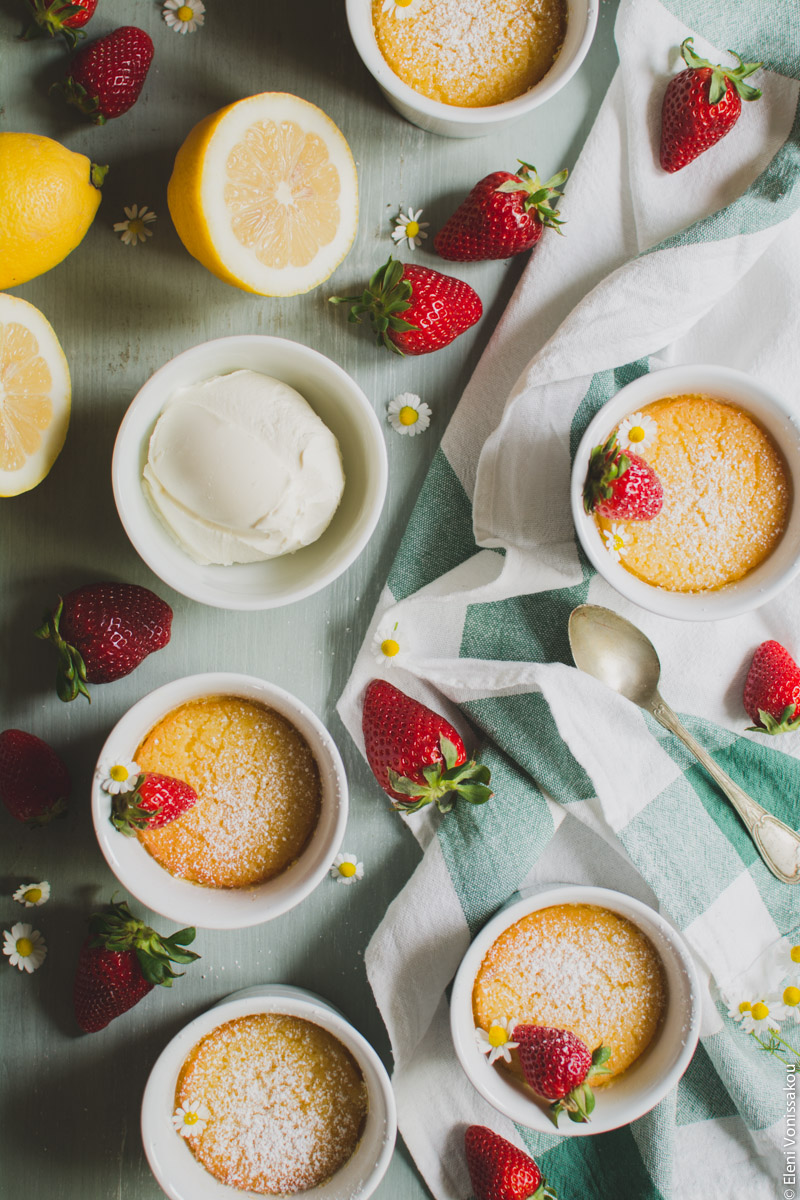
(778, 845)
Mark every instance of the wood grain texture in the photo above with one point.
(71, 1103)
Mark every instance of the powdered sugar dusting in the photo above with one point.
(287, 1101)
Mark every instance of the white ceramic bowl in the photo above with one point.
(191, 903)
(451, 120)
(336, 399)
(647, 1081)
(774, 414)
(172, 1162)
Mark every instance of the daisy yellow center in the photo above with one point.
(190, 1118)
(403, 3)
(347, 869)
(759, 1011)
(497, 1036)
(795, 954)
(408, 415)
(33, 895)
(185, 13)
(119, 773)
(412, 229)
(636, 434)
(136, 226)
(24, 947)
(389, 647)
(745, 1006)
(792, 997)
(619, 541)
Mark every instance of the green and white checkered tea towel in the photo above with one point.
(656, 269)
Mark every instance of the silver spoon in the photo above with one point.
(614, 651)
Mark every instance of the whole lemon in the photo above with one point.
(48, 198)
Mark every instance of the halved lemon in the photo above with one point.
(264, 193)
(34, 396)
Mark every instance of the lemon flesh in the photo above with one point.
(264, 193)
(48, 202)
(34, 396)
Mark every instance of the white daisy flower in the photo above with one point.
(32, 895)
(617, 541)
(191, 1118)
(765, 1012)
(636, 432)
(119, 778)
(184, 18)
(134, 229)
(409, 229)
(497, 1042)
(25, 947)
(386, 642)
(347, 869)
(408, 414)
(790, 998)
(397, 8)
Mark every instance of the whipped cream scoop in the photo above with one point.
(240, 469)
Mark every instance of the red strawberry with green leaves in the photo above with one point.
(34, 782)
(102, 632)
(498, 1170)
(417, 756)
(156, 801)
(59, 16)
(106, 77)
(621, 486)
(504, 214)
(701, 105)
(557, 1065)
(120, 961)
(414, 310)
(772, 690)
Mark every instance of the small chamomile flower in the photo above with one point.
(397, 8)
(184, 18)
(386, 642)
(347, 869)
(134, 229)
(409, 229)
(497, 1042)
(25, 947)
(791, 1001)
(119, 778)
(636, 432)
(408, 414)
(617, 541)
(190, 1119)
(765, 1012)
(32, 895)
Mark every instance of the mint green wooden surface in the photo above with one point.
(70, 1102)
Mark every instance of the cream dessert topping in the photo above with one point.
(240, 469)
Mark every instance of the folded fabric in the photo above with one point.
(655, 270)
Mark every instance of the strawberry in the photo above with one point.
(34, 783)
(414, 310)
(59, 16)
(155, 801)
(120, 961)
(621, 487)
(500, 1171)
(107, 76)
(416, 756)
(103, 631)
(701, 105)
(504, 214)
(772, 690)
(558, 1065)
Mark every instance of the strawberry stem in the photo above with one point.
(717, 85)
(539, 195)
(71, 673)
(789, 722)
(443, 787)
(385, 297)
(75, 93)
(116, 928)
(127, 813)
(606, 465)
(579, 1103)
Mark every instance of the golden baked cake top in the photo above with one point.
(284, 1103)
(577, 967)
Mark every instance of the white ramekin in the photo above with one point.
(177, 1170)
(451, 120)
(191, 903)
(647, 1081)
(774, 414)
(335, 398)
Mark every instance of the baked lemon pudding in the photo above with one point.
(727, 495)
(470, 53)
(271, 1104)
(575, 967)
(258, 787)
